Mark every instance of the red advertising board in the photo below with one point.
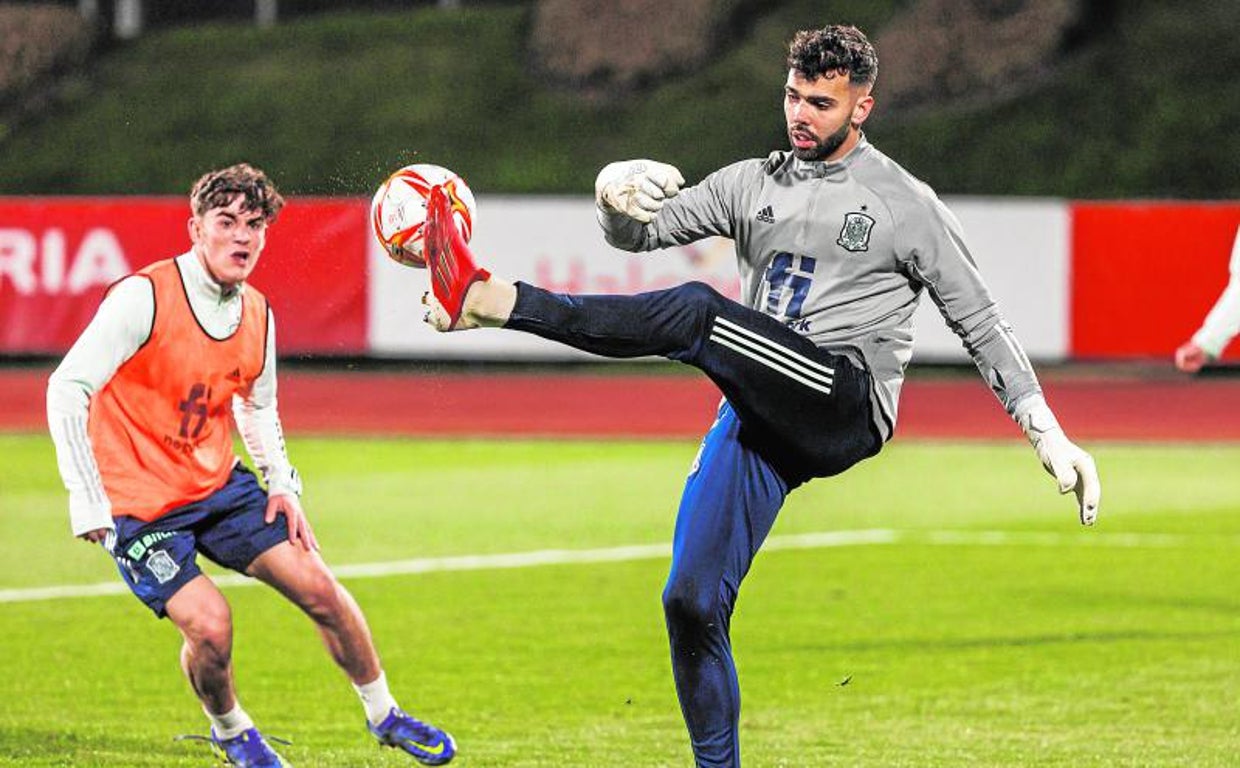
(58, 255)
(1144, 275)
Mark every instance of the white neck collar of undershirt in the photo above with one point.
(199, 281)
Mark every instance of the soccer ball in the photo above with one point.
(398, 209)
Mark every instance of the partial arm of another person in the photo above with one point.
(1220, 325)
(940, 261)
(258, 420)
(119, 328)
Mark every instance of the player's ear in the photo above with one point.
(861, 110)
(194, 227)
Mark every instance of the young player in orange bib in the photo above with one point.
(140, 411)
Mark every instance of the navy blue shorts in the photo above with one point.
(158, 558)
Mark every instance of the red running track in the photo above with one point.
(649, 406)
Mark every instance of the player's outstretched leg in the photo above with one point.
(464, 295)
(778, 380)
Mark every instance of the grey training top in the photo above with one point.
(841, 251)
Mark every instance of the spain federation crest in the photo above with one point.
(162, 565)
(855, 234)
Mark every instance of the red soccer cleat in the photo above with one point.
(448, 258)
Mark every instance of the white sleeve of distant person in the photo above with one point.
(1223, 322)
(258, 421)
(120, 327)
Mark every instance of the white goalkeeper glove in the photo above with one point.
(1071, 467)
(637, 188)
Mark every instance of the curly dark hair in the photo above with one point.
(217, 189)
(836, 48)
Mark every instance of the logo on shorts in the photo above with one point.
(137, 549)
(162, 565)
(855, 234)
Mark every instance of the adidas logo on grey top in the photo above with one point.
(766, 215)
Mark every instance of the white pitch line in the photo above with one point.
(630, 553)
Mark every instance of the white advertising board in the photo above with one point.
(1021, 248)
(551, 242)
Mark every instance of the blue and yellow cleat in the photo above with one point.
(249, 750)
(426, 743)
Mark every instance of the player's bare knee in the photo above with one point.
(209, 634)
(323, 599)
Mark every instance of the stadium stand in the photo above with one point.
(37, 41)
(941, 49)
(573, 41)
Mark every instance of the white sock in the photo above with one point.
(376, 698)
(230, 724)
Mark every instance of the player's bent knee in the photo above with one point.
(698, 295)
(201, 615)
(209, 634)
(684, 312)
(216, 645)
(688, 608)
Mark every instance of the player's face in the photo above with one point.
(824, 115)
(229, 240)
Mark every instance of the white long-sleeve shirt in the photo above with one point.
(119, 328)
(1223, 322)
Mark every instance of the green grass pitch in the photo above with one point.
(1051, 645)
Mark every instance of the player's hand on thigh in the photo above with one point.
(637, 188)
(299, 530)
(97, 536)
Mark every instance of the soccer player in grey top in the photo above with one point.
(836, 245)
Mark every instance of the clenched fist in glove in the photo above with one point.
(1072, 467)
(637, 188)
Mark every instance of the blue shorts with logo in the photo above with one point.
(158, 558)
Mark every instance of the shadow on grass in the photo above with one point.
(965, 643)
(1214, 606)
